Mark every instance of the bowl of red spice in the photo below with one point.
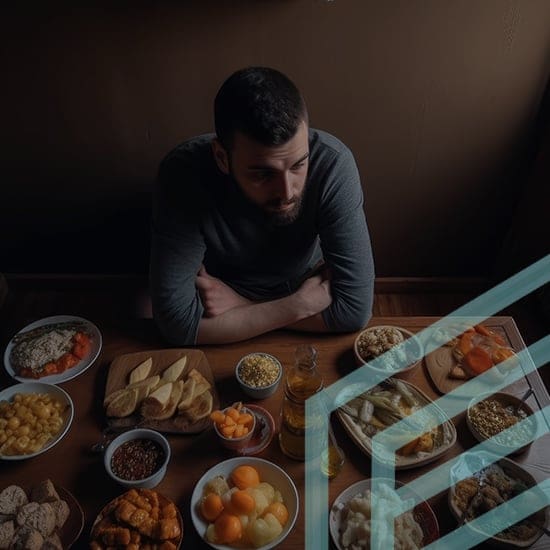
(138, 458)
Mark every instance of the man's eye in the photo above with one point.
(261, 176)
(298, 166)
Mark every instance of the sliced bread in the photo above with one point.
(11, 498)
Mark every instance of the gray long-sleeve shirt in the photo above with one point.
(201, 217)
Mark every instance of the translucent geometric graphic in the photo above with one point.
(319, 407)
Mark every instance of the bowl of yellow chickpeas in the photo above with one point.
(33, 417)
(259, 374)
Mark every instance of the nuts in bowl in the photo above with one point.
(259, 374)
(137, 459)
(403, 351)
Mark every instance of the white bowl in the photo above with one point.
(413, 349)
(422, 512)
(269, 472)
(138, 433)
(259, 392)
(55, 392)
(237, 443)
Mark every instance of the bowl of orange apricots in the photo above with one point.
(234, 426)
(244, 502)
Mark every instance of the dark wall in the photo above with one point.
(438, 100)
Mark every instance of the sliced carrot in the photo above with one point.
(485, 331)
(465, 343)
(481, 329)
(409, 447)
(477, 360)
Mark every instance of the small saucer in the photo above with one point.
(263, 433)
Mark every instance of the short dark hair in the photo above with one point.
(260, 102)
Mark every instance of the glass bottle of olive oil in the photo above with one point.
(302, 381)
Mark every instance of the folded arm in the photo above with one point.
(230, 317)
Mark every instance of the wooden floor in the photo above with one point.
(124, 297)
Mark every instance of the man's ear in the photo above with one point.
(220, 155)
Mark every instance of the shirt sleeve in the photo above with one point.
(346, 246)
(177, 251)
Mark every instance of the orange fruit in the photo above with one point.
(245, 476)
(279, 510)
(218, 417)
(232, 413)
(228, 528)
(242, 502)
(211, 506)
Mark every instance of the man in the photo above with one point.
(261, 226)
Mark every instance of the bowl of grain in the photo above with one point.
(259, 374)
(392, 350)
(138, 458)
(489, 416)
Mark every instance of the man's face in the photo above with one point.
(272, 177)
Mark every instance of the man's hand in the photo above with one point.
(315, 293)
(216, 296)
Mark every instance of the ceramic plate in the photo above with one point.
(445, 439)
(54, 391)
(71, 373)
(75, 522)
(270, 473)
(107, 515)
(263, 433)
(422, 513)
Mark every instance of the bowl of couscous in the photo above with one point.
(259, 374)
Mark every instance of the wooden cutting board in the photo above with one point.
(119, 372)
(440, 361)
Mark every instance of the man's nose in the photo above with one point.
(284, 186)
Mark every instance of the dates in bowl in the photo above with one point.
(138, 458)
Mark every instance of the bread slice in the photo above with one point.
(201, 383)
(187, 394)
(38, 516)
(53, 542)
(200, 407)
(170, 408)
(175, 370)
(123, 404)
(142, 371)
(27, 538)
(7, 531)
(44, 492)
(154, 404)
(11, 498)
(62, 512)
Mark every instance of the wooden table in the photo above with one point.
(71, 463)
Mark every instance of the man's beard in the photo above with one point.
(277, 219)
(286, 217)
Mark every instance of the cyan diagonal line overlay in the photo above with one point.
(495, 521)
(319, 407)
(384, 451)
